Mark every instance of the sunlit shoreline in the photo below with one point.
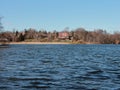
(39, 43)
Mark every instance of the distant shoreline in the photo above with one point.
(39, 43)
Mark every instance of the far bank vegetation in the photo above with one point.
(77, 36)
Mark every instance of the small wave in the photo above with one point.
(95, 72)
(29, 79)
(40, 87)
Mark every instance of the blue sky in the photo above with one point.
(58, 14)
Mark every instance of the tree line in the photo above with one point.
(79, 35)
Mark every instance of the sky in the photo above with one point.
(59, 14)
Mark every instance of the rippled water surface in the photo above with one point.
(60, 67)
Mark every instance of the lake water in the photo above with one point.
(60, 67)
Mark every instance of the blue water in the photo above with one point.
(60, 67)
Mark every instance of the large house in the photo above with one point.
(63, 35)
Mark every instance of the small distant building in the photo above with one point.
(63, 35)
(3, 40)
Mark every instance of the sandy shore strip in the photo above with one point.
(39, 43)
